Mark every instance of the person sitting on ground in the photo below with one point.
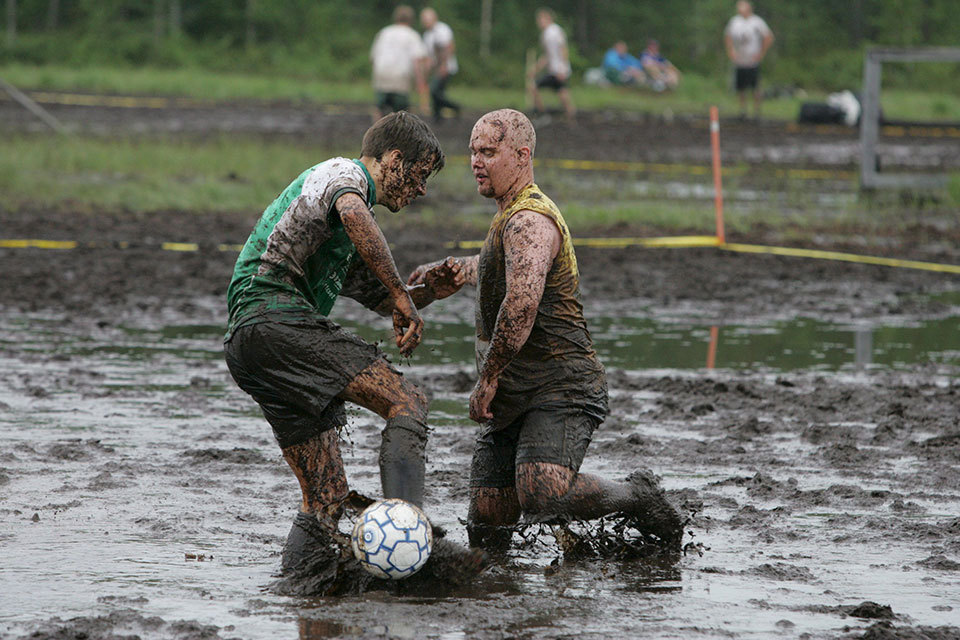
(621, 68)
(662, 73)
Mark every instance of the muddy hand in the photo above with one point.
(480, 400)
(445, 278)
(407, 325)
(417, 275)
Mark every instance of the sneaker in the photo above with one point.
(306, 536)
(653, 512)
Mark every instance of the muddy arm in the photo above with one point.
(367, 237)
(530, 243)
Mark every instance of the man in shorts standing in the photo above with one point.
(318, 240)
(399, 59)
(438, 38)
(541, 390)
(555, 60)
(747, 38)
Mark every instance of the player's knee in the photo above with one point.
(540, 487)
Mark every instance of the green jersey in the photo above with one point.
(298, 256)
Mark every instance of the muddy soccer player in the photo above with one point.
(318, 240)
(541, 391)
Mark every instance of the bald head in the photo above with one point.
(744, 8)
(501, 154)
(510, 128)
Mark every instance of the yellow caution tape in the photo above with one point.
(845, 257)
(673, 169)
(180, 246)
(38, 244)
(672, 242)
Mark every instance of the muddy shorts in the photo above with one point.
(557, 435)
(296, 370)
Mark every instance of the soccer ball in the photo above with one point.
(392, 539)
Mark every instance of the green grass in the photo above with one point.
(694, 96)
(148, 174)
(242, 174)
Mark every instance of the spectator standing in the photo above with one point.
(660, 71)
(399, 59)
(438, 38)
(619, 67)
(747, 38)
(555, 61)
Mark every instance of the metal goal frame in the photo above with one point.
(870, 177)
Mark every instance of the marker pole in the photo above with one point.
(717, 181)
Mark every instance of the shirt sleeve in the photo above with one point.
(764, 28)
(444, 36)
(330, 181)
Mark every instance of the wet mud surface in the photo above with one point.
(141, 492)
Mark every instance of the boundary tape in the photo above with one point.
(663, 242)
(675, 169)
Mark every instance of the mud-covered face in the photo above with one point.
(496, 164)
(402, 182)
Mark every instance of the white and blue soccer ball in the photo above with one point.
(392, 539)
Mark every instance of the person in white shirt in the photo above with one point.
(399, 59)
(438, 38)
(555, 60)
(747, 38)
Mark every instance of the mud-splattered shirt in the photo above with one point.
(557, 365)
(299, 258)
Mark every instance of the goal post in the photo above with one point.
(870, 176)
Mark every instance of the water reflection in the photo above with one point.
(798, 344)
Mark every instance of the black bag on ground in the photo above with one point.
(820, 113)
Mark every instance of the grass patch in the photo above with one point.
(243, 174)
(147, 174)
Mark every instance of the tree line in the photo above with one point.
(819, 42)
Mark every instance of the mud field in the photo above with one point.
(805, 413)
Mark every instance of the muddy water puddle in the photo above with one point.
(137, 484)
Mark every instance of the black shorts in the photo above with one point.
(747, 78)
(295, 371)
(391, 101)
(551, 81)
(558, 435)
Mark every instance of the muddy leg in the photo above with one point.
(323, 483)
(319, 469)
(492, 512)
(549, 490)
(404, 406)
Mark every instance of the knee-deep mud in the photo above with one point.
(142, 493)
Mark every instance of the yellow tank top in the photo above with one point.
(557, 365)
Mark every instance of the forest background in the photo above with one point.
(819, 45)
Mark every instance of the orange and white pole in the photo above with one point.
(717, 181)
